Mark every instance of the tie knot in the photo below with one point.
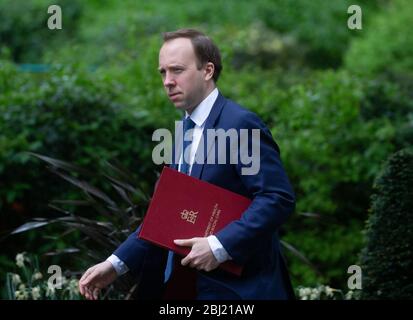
(188, 124)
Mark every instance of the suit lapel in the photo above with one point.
(209, 124)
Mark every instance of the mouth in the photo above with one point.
(173, 95)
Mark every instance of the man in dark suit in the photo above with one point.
(190, 65)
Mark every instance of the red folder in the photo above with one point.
(184, 207)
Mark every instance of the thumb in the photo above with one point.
(185, 242)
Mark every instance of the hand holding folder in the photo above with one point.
(184, 207)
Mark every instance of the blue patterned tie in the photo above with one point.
(188, 125)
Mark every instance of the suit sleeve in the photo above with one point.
(273, 198)
(139, 255)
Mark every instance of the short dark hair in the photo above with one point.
(204, 48)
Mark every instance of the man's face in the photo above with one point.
(185, 85)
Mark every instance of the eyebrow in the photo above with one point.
(174, 66)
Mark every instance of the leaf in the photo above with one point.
(300, 256)
(122, 184)
(86, 187)
(61, 164)
(31, 225)
(123, 173)
(72, 202)
(310, 214)
(62, 251)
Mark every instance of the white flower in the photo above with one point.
(37, 276)
(349, 295)
(307, 291)
(21, 295)
(301, 292)
(15, 278)
(22, 287)
(314, 296)
(20, 260)
(74, 286)
(17, 294)
(36, 293)
(50, 291)
(329, 291)
(60, 282)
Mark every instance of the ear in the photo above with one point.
(209, 70)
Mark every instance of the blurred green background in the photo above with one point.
(338, 102)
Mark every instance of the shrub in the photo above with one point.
(29, 282)
(386, 260)
(387, 45)
(319, 26)
(331, 152)
(24, 27)
(118, 214)
(66, 114)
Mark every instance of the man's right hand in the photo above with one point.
(96, 278)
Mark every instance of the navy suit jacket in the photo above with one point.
(251, 241)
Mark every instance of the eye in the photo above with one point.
(178, 70)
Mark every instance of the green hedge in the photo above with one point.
(386, 260)
(70, 115)
(387, 45)
(23, 29)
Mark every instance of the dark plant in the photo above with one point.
(109, 220)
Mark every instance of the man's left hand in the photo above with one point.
(201, 256)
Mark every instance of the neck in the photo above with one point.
(208, 91)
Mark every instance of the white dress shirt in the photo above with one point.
(198, 116)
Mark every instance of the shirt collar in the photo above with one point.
(201, 112)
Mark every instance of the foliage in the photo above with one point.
(323, 292)
(319, 26)
(387, 45)
(71, 115)
(23, 31)
(326, 144)
(330, 248)
(30, 284)
(387, 262)
(334, 127)
(121, 209)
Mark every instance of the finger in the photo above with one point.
(81, 289)
(87, 294)
(90, 293)
(185, 242)
(186, 260)
(195, 264)
(96, 293)
(86, 276)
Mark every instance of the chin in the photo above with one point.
(180, 105)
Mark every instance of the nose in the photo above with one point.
(168, 81)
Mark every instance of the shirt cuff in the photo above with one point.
(119, 265)
(217, 249)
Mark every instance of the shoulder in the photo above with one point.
(237, 116)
